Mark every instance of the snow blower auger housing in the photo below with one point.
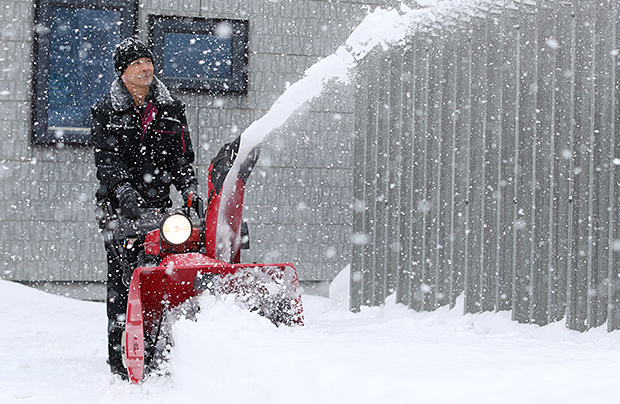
(183, 258)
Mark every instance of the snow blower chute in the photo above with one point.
(185, 256)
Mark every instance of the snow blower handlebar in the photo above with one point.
(195, 201)
(190, 198)
(120, 232)
(149, 219)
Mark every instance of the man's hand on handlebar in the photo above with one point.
(129, 201)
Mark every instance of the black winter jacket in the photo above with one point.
(150, 148)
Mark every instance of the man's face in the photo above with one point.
(139, 73)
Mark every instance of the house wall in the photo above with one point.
(298, 198)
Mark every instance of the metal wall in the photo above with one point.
(487, 164)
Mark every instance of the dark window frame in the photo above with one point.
(41, 62)
(159, 25)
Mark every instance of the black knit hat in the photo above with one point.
(127, 51)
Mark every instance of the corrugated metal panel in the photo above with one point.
(486, 155)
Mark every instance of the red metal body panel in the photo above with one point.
(211, 225)
(134, 332)
(223, 228)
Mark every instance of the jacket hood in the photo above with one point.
(122, 100)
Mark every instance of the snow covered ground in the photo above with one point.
(53, 350)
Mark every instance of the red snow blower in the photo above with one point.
(186, 254)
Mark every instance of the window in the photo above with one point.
(74, 45)
(200, 54)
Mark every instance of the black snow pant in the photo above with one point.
(117, 292)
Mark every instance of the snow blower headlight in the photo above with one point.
(176, 229)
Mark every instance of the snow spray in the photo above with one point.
(380, 28)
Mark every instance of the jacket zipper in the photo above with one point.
(148, 117)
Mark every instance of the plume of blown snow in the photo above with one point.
(382, 27)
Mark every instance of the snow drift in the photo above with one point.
(53, 350)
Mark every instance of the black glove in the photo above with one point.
(129, 201)
(197, 201)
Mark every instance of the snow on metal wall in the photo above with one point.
(487, 164)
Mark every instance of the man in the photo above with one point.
(142, 146)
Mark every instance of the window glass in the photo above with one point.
(197, 56)
(74, 68)
(81, 45)
(200, 54)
